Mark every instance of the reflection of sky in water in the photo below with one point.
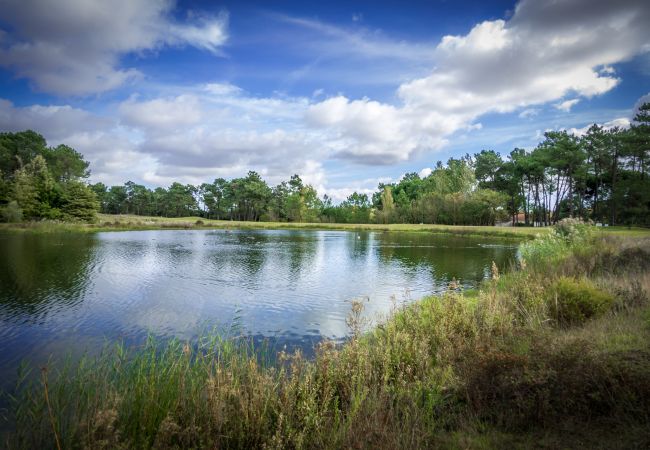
(59, 293)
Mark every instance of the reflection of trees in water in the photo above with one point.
(359, 244)
(40, 272)
(249, 253)
(236, 254)
(298, 250)
(446, 257)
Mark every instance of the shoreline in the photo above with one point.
(111, 223)
(108, 222)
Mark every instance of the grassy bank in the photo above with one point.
(555, 353)
(122, 222)
(109, 222)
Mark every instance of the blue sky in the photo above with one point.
(345, 94)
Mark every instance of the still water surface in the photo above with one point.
(74, 292)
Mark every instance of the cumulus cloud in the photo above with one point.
(54, 121)
(620, 122)
(161, 113)
(425, 172)
(371, 132)
(74, 47)
(528, 113)
(546, 51)
(219, 126)
(567, 104)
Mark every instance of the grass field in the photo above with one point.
(126, 222)
(108, 222)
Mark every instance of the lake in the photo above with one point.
(63, 293)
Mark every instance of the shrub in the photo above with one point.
(574, 301)
(571, 229)
(567, 236)
(12, 213)
(199, 223)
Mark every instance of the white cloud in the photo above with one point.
(220, 130)
(74, 47)
(161, 113)
(54, 121)
(425, 172)
(567, 104)
(361, 42)
(529, 113)
(222, 89)
(544, 52)
(373, 132)
(620, 122)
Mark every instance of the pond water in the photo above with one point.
(64, 293)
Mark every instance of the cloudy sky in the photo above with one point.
(346, 94)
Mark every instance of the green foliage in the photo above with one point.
(566, 236)
(12, 213)
(79, 202)
(574, 301)
(43, 182)
(66, 163)
(572, 230)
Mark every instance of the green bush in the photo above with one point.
(574, 301)
(572, 229)
(12, 213)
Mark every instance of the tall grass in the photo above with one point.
(487, 369)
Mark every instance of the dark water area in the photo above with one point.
(73, 293)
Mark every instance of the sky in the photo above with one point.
(345, 94)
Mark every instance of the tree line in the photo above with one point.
(601, 175)
(41, 182)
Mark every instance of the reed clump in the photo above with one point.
(554, 352)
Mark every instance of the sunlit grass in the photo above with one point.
(128, 222)
(107, 222)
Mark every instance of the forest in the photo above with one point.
(601, 175)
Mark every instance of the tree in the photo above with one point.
(180, 200)
(116, 200)
(595, 144)
(101, 192)
(66, 163)
(34, 191)
(79, 202)
(387, 204)
(18, 150)
(486, 167)
(566, 157)
(12, 213)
